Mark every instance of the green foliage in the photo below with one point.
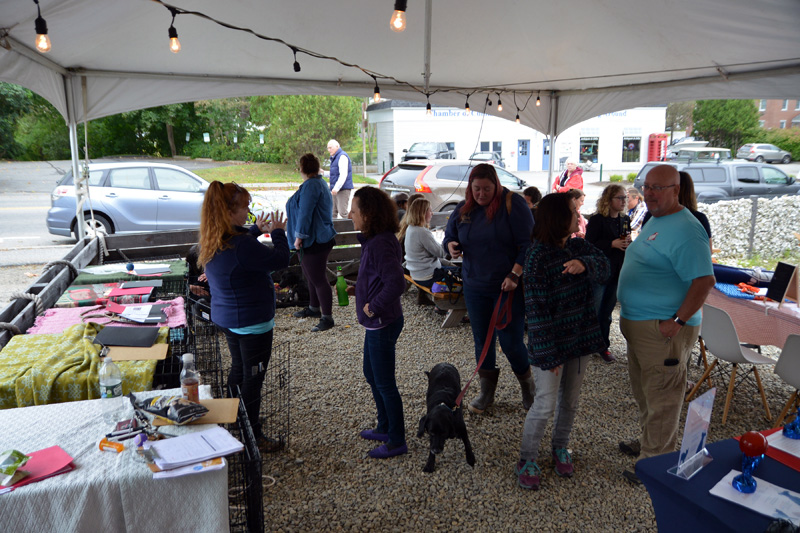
(300, 124)
(630, 177)
(787, 139)
(614, 178)
(14, 102)
(725, 123)
(41, 132)
(679, 116)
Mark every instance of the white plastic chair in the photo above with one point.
(721, 339)
(788, 368)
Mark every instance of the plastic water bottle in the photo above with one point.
(111, 389)
(341, 288)
(190, 379)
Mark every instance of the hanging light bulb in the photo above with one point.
(466, 106)
(377, 95)
(428, 110)
(517, 119)
(398, 21)
(42, 39)
(538, 100)
(174, 43)
(499, 103)
(296, 63)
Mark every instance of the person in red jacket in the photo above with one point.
(572, 178)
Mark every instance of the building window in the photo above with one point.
(484, 146)
(631, 149)
(796, 122)
(497, 147)
(785, 105)
(762, 106)
(797, 105)
(760, 123)
(783, 124)
(589, 149)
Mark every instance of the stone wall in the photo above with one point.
(777, 219)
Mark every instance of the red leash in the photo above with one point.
(500, 319)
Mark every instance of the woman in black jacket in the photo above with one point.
(610, 230)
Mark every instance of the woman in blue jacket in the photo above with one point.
(378, 290)
(492, 230)
(243, 295)
(310, 232)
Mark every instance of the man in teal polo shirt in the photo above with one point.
(664, 281)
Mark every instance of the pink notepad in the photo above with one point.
(42, 465)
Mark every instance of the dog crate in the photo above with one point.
(275, 398)
(168, 371)
(245, 489)
(204, 343)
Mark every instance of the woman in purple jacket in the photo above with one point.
(378, 290)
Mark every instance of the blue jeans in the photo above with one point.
(605, 299)
(249, 359)
(480, 308)
(379, 363)
(555, 393)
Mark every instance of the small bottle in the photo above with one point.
(190, 379)
(341, 288)
(111, 389)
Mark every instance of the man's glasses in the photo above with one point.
(656, 188)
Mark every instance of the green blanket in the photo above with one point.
(63, 367)
(178, 270)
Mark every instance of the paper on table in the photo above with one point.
(768, 499)
(195, 447)
(205, 466)
(785, 444)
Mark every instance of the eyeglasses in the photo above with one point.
(620, 198)
(656, 188)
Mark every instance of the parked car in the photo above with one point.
(130, 197)
(442, 182)
(428, 150)
(489, 157)
(724, 181)
(764, 152)
(702, 153)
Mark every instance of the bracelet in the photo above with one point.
(677, 320)
(513, 276)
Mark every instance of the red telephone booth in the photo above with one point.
(657, 146)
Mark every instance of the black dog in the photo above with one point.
(442, 421)
(291, 278)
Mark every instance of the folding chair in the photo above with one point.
(788, 368)
(721, 339)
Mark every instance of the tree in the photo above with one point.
(42, 132)
(679, 116)
(725, 123)
(301, 124)
(14, 102)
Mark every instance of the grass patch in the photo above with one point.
(262, 173)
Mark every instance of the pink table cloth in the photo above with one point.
(758, 322)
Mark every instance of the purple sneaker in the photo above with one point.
(527, 473)
(383, 451)
(563, 462)
(607, 356)
(371, 434)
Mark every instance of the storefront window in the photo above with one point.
(589, 149)
(630, 149)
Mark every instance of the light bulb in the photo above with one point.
(377, 95)
(174, 43)
(538, 101)
(428, 109)
(398, 21)
(42, 43)
(499, 105)
(42, 39)
(517, 119)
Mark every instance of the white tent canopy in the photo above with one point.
(582, 56)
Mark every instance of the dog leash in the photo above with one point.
(501, 317)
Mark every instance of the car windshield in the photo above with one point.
(482, 155)
(423, 147)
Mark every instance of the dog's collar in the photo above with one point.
(454, 408)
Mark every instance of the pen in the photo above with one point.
(124, 436)
(120, 432)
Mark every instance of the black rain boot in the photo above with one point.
(488, 386)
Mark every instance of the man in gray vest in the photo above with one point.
(341, 179)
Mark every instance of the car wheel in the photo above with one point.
(101, 225)
(786, 159)
(447, 208)
(760, 159)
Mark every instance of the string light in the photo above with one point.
(499, 103)
(538, 100)
(428, 110)
(398, 21)
(377, 95)
(42, 39)
(488, 101)
(296, 64)
(174, 43)
(517, 119)
(466, 106)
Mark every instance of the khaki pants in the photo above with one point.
(341, 203)
(659, 389)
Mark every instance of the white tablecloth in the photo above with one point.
(106, 491)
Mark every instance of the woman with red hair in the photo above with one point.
(491, 229)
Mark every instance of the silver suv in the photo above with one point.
(764, 152)
(443, 182)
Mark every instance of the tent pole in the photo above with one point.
(72, 124)
(552, 135)
(427, 58)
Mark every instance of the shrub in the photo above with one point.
(615, 178)
(631, 176)
(786, 139)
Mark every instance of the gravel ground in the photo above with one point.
(325, 481)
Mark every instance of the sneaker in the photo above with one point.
(307, 312)
(607, 357)
(527, 473)
(372, 434)
(384, 452)
(563, 461)
(324, 325)
(632, 448)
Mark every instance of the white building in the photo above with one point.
(618, 141)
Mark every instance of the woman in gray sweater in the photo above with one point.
(423, 253)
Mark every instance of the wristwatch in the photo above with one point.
(677, 320)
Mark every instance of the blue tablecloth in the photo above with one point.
(682, 506)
